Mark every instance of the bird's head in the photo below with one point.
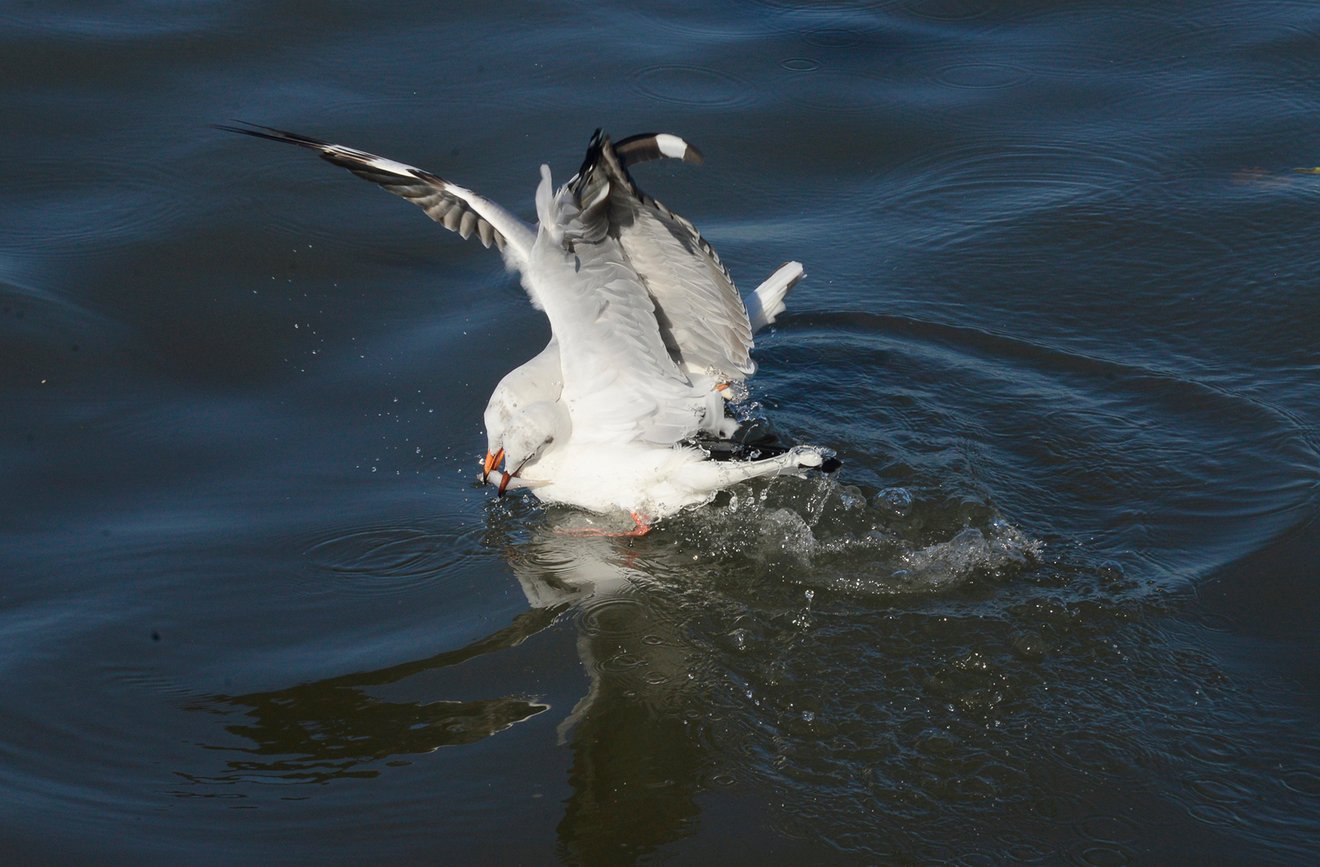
(530, 434)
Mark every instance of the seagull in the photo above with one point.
(516, 403)
(650, 336)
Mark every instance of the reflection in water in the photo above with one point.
(679, 700)
(638, 763)
(630, 793)
(759, 650)
(334, 728)
(652, 617)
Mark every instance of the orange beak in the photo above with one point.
(492, 461)
(508, 476)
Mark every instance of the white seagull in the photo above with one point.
(527, 406)
(650, 336)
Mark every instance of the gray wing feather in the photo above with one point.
(702, 317)
(457, 209)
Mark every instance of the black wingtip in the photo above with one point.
(599, 151)
(270, 133)
(595, 147)
(246, 128)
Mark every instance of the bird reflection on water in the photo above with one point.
(335, 728)
(659, 628)
(340, 728)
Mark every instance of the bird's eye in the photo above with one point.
(550, 439)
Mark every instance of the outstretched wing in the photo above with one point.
(702, 318)
(450, 205)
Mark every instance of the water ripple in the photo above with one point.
(949, 10)
(394, 559)
(109, 202)
(835, 37)
(694, 86)
(800, 64)
(979, 76)
(838, 90)
(981, 185)
(1165, 441)
(615, 616)
(1106, 828)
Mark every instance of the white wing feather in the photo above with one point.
(620, 383)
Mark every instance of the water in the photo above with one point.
(1059, 323)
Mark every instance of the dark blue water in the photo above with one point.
(1060, 323)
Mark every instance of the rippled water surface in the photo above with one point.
(1060, 324)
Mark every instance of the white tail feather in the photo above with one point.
(767, 302)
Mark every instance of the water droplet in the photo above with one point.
(895, 500)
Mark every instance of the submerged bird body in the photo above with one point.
(650, 336)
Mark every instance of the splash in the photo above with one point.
(819, 533)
